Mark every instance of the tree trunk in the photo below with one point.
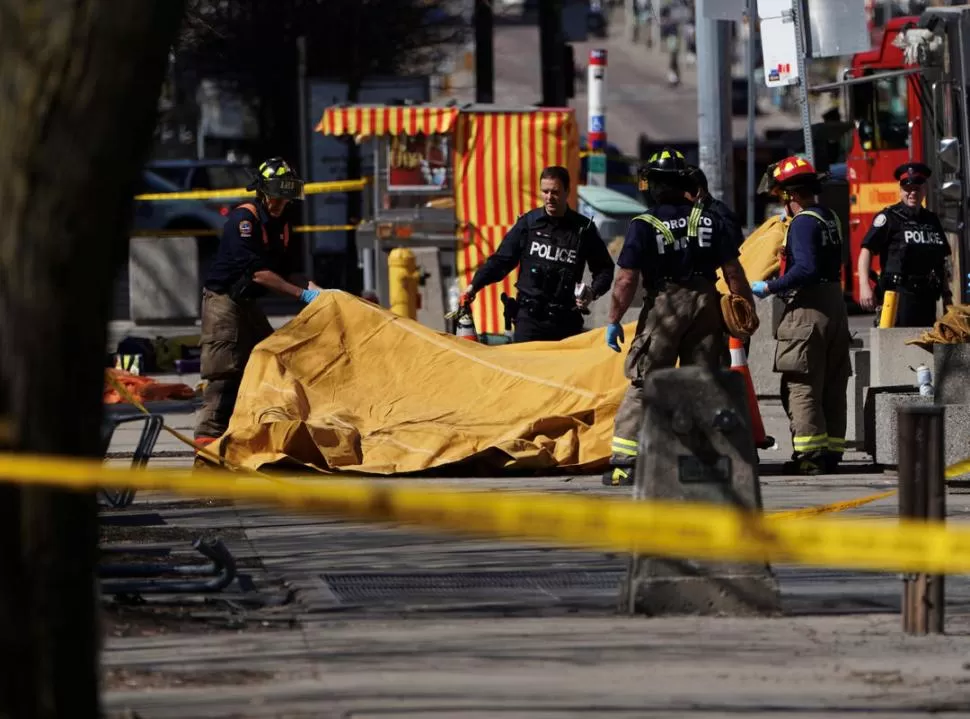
(79, 81)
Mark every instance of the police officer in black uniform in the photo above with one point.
(552, 245)
(913, 253)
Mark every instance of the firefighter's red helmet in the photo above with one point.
(794, 171)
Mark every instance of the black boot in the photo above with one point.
(806, 464)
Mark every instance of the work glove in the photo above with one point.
(759, 289)
(614, 335)
(466, 298)
(309, 295)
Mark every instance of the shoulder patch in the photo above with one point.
(246, 228)
(879, 220)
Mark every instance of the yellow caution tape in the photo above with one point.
(833, 507)
(310, 188)
(658, 528)
(957, 469)
(214, 233)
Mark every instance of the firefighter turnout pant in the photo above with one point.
(230, 331)
(683, 321)
(812, 355)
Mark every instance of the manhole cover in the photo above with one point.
(474, 586)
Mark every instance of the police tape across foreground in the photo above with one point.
(659, 528)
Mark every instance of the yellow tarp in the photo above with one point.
(761, 252)
(347, 385)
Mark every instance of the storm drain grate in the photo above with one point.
(478, 586)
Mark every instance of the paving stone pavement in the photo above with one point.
(342, 619)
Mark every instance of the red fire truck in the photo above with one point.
(907, 101)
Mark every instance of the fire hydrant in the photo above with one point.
(402, 280)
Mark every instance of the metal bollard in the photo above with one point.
(890, 303)
(922, 496)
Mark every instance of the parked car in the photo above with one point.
(182, 176)
(205, 217)
(611, 211)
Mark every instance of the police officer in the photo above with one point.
(551, 244)
(706, 200)
(812, 350)
(913, 253)
(255, 255)
(681, 316)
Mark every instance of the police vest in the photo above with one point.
(552, 263)
(685, 246)
(829, 254)
(916, 246)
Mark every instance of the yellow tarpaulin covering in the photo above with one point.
(761, 252)
(348, 386)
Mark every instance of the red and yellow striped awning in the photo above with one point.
(364, 121)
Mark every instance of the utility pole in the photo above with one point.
(751, 59)
(551, 54)
(715, 144)
(801, 34)
(305, 161)
(484, 52)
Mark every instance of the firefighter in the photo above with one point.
(812, 338)
(551, 245)
(255, 255)
(913, 253)
(681, 316)
(720, 208)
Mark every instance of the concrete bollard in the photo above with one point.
(696, 445)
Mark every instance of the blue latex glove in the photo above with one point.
(614, 335)
(759, 288)
(309, 295)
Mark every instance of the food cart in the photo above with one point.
(448, 183)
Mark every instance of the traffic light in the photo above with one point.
(569, 69)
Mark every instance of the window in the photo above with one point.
(881, 109)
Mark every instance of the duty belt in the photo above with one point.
(669, 280)
(911, 283)
(541, 308)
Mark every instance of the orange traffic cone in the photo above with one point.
(465, 328)
(739, 364)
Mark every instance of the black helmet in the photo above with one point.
(667, 161)
(667, 164)
(275, 178)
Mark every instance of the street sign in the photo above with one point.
(837, 28)
(779, 49)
